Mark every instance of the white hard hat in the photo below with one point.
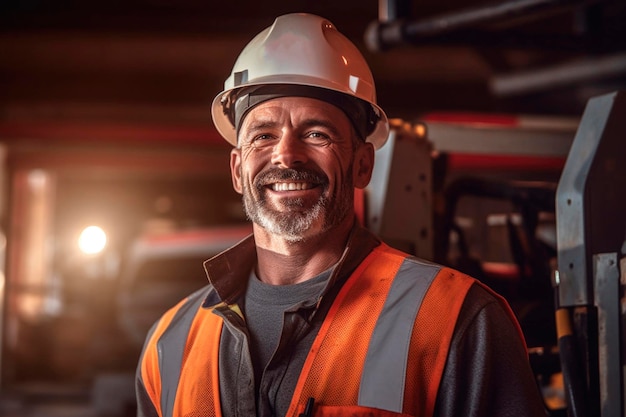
(305, 50)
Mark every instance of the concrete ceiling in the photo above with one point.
(165, 60)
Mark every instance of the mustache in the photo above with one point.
(272, 175)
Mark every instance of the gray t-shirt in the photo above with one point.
(264, 309)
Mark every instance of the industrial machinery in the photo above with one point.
(561, 214)
(591, 240)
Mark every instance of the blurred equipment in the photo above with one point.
(526, 283)
(551, 54)
(394, 28)
(162, 269)
(399, 196)
(591, 240)
(477, 192)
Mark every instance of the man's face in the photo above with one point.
(296, 166)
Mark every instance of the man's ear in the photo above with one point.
(235, 169)
(363, 165)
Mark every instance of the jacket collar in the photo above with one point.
(228, 271)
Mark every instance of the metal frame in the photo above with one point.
(399, 196)
(591, 235)
(606, 285)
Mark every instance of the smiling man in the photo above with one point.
(312, 315)
(297, 145)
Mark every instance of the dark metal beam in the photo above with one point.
(566, 74)
(382, 35)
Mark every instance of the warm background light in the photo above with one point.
(92, 240)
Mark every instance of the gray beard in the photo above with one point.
(292, 226)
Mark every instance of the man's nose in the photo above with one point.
(290, 150)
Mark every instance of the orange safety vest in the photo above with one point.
(380, 351)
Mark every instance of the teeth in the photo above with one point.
(290, 186)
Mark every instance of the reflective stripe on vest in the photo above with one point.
(381, 349)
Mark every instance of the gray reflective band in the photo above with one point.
(171, 345)
(384, 371)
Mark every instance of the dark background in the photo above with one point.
(165, 60)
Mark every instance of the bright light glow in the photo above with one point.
(92, 240)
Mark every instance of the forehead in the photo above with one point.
(295, 109)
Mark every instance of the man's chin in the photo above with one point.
(294, 227)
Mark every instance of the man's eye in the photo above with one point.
(261, 140)
(317, 138)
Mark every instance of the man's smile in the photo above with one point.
(291, 186)
(286, 180)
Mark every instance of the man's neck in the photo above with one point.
(281, 262)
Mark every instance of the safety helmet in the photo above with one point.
(306, 50)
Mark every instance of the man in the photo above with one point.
(312, 315)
